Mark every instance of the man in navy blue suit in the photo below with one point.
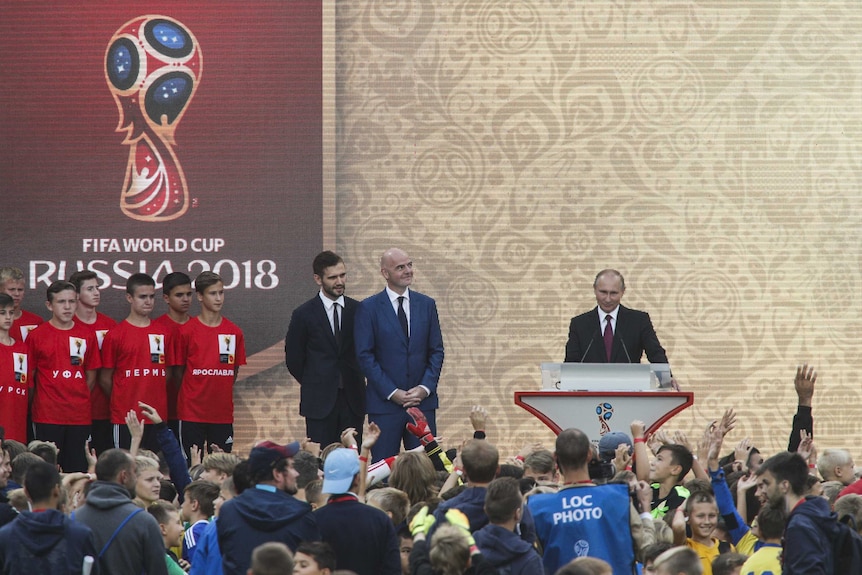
(319, 353)
(400, 350)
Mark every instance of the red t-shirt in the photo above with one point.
(99, 404)
(139, 357)
(173, 330)
(210, 355)
(15, 380)
(60, 359)
(22, 326)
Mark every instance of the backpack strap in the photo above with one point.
(117, 530)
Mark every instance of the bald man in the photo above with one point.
(399, 347)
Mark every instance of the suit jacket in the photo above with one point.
(388, 360)
(634, 334)
(316, 360)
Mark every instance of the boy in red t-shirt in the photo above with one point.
(87, 284)
(65, 359)
(135, 357)
(14, 376)
(177, 293)
(12, 283)
(210, 351)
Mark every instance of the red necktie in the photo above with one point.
(609, 337)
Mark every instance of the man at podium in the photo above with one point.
(610, 332)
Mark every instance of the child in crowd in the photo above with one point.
(15, 375)
(177, 294)
(89, 297)
(135, 356)
(313, 558)
(66, 359)
(197, 510)
(12, 284)
(210, 350)
(171, 527)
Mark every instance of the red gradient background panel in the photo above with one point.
(249, 143)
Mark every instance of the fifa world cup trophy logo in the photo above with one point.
(604, 411)
(153, 67)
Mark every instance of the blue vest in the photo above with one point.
(588, 521)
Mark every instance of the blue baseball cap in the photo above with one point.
(339, 469)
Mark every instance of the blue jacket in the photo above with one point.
(363, 537)
(585, 520)
(808, 537)
(259, 516)
(471, 502)
(174, 456)
(207, 552)
(502, 547)
(45, 542)
(389, 360)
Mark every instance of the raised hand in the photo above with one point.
(150, 412)
(728, 421)
(419, 427)
(804, 384)
(348, 438)
(742, 449)
(370, 435)
(478, 418)
(622, 458)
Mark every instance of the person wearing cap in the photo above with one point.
(363, 537)
(609, 443)
(266, 512)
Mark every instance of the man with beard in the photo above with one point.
(266, 512)
(811, 525)
(320, 354)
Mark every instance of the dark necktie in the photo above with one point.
(336, 323)
(402, 317)
(609, 337)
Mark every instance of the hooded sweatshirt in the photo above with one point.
(808, 537)
(138, 546)
(45, 542)
(502, 548)
(258, 516)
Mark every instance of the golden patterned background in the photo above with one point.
(711, 151)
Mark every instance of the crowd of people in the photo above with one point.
(639, 503)
(127, 465)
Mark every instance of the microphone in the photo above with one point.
(628, 357)
(592, 338)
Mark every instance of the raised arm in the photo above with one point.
(736, 525)
(803, 420)
(641, 455)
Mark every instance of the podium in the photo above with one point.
(598, 398)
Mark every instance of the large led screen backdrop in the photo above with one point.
(165, 136)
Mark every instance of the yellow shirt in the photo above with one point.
(764, 562)
(746, 543)
(706, 553)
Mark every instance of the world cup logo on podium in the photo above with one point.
(605, 411)
(153, 67)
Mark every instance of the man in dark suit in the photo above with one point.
(319, 353)
(610, 332)
(400, 350)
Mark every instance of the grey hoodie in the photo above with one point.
(138, 547)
